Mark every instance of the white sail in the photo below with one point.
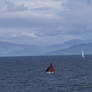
(83, 55)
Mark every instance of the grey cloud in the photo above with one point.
(26, 23)
(10, 6)
(75, 21)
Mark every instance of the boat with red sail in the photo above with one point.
(50, 69)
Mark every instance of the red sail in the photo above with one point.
(50, 69)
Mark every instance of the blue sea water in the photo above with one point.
(27, 74)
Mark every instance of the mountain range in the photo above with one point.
(75, 49)
(66, 48)
(13, 49)
(72, 47)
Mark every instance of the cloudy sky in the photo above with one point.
(45, 21)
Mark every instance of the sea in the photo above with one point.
(27, 74)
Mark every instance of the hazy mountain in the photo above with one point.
(67, 44)
(76, 49)
(12, 49)
(69, 47)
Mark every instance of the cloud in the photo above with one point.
(48, 20)
(14, 35)
(39, 4)
(25, 34)
(28, 8)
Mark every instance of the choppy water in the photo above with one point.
(27, 74)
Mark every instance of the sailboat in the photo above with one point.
(50, 69)
(83, 54)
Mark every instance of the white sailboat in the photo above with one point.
(83, 54)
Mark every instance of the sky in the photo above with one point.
(45, 22)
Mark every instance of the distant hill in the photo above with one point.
(67, 44)
(12, 49)
(69, 47)
(75, 49)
